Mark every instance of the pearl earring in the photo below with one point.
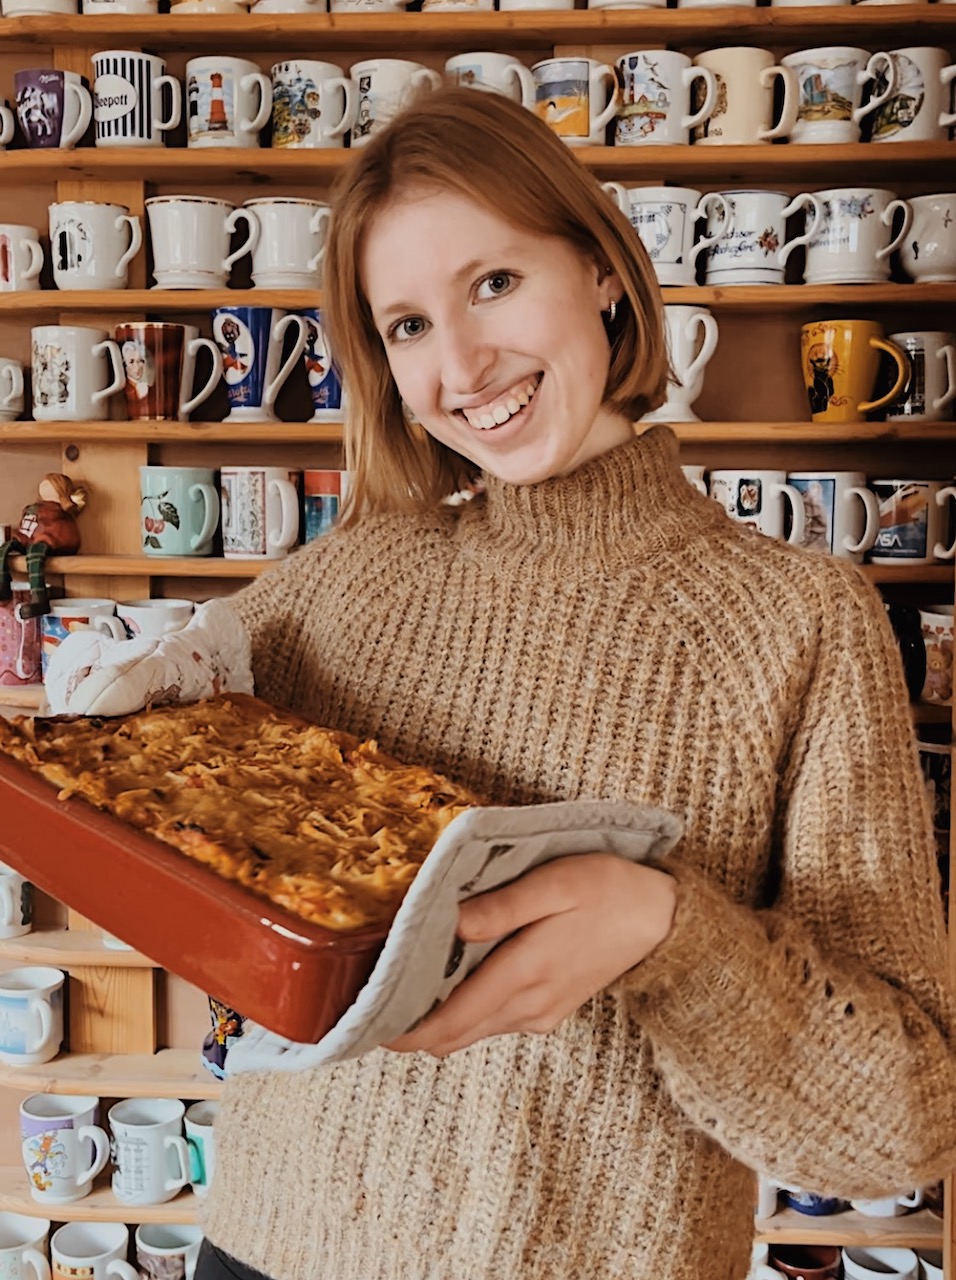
(612, 312)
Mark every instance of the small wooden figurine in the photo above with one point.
(46, 527)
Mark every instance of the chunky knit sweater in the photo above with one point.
(611, 633)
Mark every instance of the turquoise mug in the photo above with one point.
(179, 510)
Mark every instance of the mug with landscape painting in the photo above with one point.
(830, 82)
(576, 98)
(918, 106)
(842, 514)
(655, 102)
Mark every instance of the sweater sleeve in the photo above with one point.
(815, 1040)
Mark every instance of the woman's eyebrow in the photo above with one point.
(467, 269)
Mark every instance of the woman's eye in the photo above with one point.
(410, 327)
(498, 283)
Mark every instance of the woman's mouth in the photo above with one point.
(510, 406)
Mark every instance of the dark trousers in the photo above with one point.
(213, 1264)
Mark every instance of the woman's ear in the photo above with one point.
(610, 285)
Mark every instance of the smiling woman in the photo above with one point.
(479, 276)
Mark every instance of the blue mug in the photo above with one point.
(328, 398)
(251, 341)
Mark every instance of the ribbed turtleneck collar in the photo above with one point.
(628, 503)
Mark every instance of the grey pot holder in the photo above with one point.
(422, 960)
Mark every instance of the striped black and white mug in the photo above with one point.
(128, 106)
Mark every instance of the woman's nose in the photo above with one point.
(467, 360)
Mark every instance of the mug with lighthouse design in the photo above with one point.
(228, 100)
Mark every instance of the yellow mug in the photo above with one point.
(841, 360)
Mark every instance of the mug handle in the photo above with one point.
(175, 106)
(177, 1144)
(620, 197)
(806, 199)
(886, 217)
(520, 73)
(249, 244)
(791, 102)
(688, 76)
(37, 1264)
(798, 513)
(256, 79)
(210, 513)
(947, 353)
(295, 355)
(902, 374)
(289, 529)
(871, 528)
(135, 241)
(101, 1152)
(215, 374)
(425, 76)
(6, 125)
(8, 902)
(119, 372)
(913, 1201)
(41, 1008)
(705, 320)
(121, 1269)
(15, 374)
(869, 73)
(939, 551)
(35, 250)
(946, 76)
(316, 223)
(72, 136)
(349, 110)
(705, 242)
(604, 75)
(110, 625)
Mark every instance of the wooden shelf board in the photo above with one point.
(925, 162)
(168, 1073)
(116, 301)
(454, 31)
(918, 1230)
(836, 433)
(931, 713)
(99, 1206)
(151, 566)
(70, 948)
(928, 574)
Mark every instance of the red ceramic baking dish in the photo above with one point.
(289, 975)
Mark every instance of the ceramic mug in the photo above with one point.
(752, 248)
(150, 1158)
(190, 237)
(31, 1015)
(16, 896)
(696, 476)
(840, 360)
(93, 1250)
(931, 388)
(928, 253)
(931, 1260)
(576, 98)
(6, 125)
(290, 245)
(180, 510)
(854, 239)
(841, 515)
(655, 106)
(251, 341)
(893, 1206)
(54, 108)
(314, 104)
(808, 1261)
(936, 625)
(76, 614)
(384, 86)
(26, 8)
(871, 1263)
(759, 499)
(120, 6)
(495, 73)
(913, 522)
(71, 364)
(830, 82)
(322, 497)
(744, 111)
(260, 512)
(128, 99)
(92, 244)
(201, 1141)
(167, 1252)
(328, 396)
(154, 617)
(21, 258)
(665, 218)
(23, 1246)
(62, 1146)
(159, 363)
(11, 389)
(691, 334)
(19, 641)
(917, 109)
(228, 100)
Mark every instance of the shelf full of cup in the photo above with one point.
(99, 1206)
(923, 162)
(508, 29)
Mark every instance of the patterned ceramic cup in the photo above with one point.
(63, 1147)
(180, 510)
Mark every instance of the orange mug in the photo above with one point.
(840, 361)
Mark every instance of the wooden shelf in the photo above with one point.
(930, 713)
(455, 31)
(69, 948)
(927, 574)
(918, 1230)
(99, 1206)
(119, 302)
(168, 1073)
(932, 164)
(118, 566)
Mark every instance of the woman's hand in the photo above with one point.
(578, 922)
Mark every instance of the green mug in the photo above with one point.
(179, 510)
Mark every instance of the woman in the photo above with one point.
(588, 1105)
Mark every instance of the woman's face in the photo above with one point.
(494, 335)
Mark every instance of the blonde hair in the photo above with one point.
(483, 146)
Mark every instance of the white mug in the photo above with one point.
(168, 1251)
(691, 334)
(830, 84)
(931, 1260)
(758, 499)
(855, 236)
(655, 106)
(384, 87)
(366, 6)
(190, 237)
(11, 389)
(21, 258)
(290, 6)
(744, 110)
(31, 8)
(120, 6)
(931, 389)
(753, 248)
(151, 1162)
(696, 476)
(928, 253)
(154, 617)
(870, 1263)
(936, 624)
(260, 512)
(62, 1146)
(23, 1246)
(228, 100)
(576, 98)
(6, 124)
(16, 903)
(917, 109)
(128, 99)
(31, 1015)
(92, 1249)
(92, 244)
(290, 244)
(494, 72)
(201, 1141)
(314, 104)
(665, 218)
(889, 1206)
(913, 522)
(71, 373)
(841, 515)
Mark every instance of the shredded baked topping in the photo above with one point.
(318, 821)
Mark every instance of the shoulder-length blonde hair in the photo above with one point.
(490, 149)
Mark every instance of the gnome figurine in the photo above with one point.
(46, 527)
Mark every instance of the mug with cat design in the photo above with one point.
(841, 362)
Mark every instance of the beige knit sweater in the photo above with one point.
(611, 633)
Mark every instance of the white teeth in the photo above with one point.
(513, 405)
(521, 397)
(502, 413)
(487, 420)
(498, 414)
(530, 389)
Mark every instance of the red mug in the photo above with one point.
(806, 1261)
